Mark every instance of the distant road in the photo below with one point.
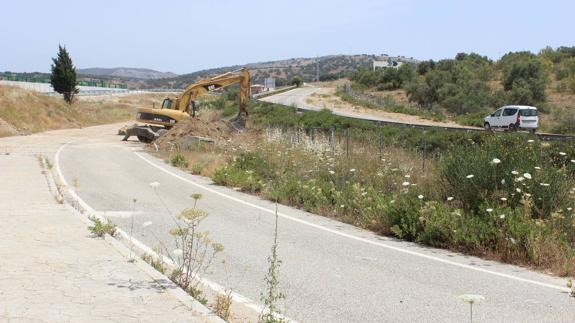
(331, 271)
(297, 98)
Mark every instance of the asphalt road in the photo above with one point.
(331, 272)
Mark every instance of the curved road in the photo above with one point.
(331, 272)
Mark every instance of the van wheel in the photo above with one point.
(487, 126)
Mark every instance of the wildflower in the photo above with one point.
(518, 190)
(543, 184)
(502, 216)
(154, 185)
(392, 201)
(405, 183)
(178, 252)
(496, 161)
(420, 197)
(503, 181)
(331, 172)
(519, 179)
(407, 176)
(515, 172)
(450, 198)
(352, 170)
(530, 140)
(527, 175)
(379, 174)
(471, 299)
(527, 194)
(489, 210)
(146, 224)
(342, 206)
(503, 199)
(364, 194)
(513, 241)
(394, 169)
(537, 168)
(562, 153)
(573, 160)
(470, 176)
(569, 208)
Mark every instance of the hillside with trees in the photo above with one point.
(469, 85)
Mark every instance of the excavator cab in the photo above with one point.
(167, 104)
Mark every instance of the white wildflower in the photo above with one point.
(352, 170)
(562, 153)
(496, 161)
(407, 176)
(331, 172)
(569, 208)
(515, 172)
(519, 179)
(543, 184)
(342, 206)
(405, 183)
(450, 198)
(471, 298)
(489, 210)
(420, 197)
(527, 194)
(512, 240)
(530, 140)
(502, 216)
(573, 160)
(503, 199)
(527, 175)
(537, 168)
(470, 176)
(364, 194)
(518, 190)
(503, 181)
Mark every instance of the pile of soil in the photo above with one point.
(181, 133)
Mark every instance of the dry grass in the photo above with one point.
(29, 112)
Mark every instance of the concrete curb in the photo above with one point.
(59, 191)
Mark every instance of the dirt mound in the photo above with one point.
(185, 131)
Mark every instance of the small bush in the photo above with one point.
(156, 264)
(179, 160)
(100, 228)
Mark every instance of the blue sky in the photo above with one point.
(184, 36)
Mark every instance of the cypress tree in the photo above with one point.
(63, 78)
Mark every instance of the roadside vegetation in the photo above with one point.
(25, 112)
(469, 86)
(508, 197)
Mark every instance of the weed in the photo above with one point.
(179, 160)
(156, 264)
(222, 305)
(100, 228)
(272, 295)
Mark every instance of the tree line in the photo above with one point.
(470, 82)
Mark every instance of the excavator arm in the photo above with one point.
(192, 92)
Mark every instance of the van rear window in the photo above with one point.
(528, 113)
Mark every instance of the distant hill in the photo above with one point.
(328, 67)
(126, 73)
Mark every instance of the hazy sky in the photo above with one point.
(184, 36)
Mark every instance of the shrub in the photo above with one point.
(179, 160)
(100, 228)
(470, 174)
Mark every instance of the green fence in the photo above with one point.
(35, 79)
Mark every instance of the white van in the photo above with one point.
(513, 117)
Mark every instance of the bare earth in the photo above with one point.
(325, 98)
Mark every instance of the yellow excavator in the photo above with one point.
(159, 120)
